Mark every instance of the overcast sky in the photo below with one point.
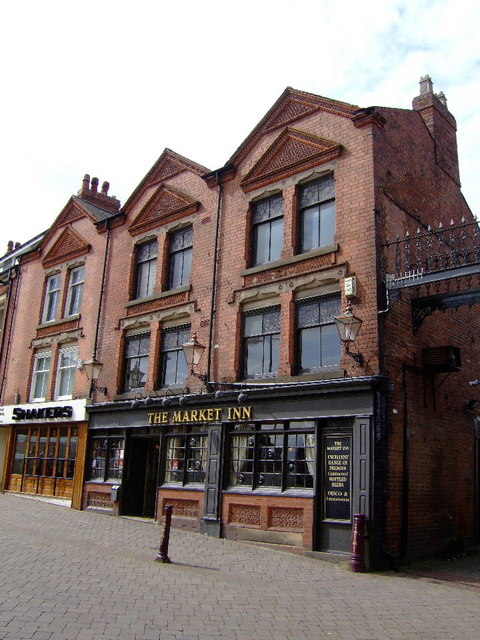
(102, 87)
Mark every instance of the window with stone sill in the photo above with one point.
(145, 268)
(52, 298)
(276, 455)
(173, 362)
(67, 367)
(267, 230)
(40, 376)
(76, 281)
(180, 257)
(261, 342)
(318, 342)
(137, 351)
(317, 214)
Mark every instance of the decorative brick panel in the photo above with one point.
(99, 500)
(285, 518)
(244, 514)
(183, 508)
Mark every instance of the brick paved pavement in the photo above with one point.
(70, 575)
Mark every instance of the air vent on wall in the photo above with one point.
(442, 359)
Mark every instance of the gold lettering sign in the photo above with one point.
(212, 414)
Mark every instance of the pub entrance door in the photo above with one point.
(140, 488)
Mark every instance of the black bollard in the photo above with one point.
(357, 559)
(163, 551)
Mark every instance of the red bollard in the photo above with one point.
(163, 551)
(357, 559)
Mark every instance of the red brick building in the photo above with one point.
(279, 433)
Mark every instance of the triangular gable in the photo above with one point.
(290, 107)
(166, 205)
(68, 246)
(168, 165)
(293, 151)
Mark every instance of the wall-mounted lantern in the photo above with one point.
(348, 326)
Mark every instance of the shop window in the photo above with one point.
(267, 230)
(107, 458)
(277, 456)
(317, 213)
(261, 342)
(52, 298)
(41, 375)
(318, 343)
(146, 268)
(186, 455)
(137, 351)
(180, 257)
(67, 366)
(174, 365)
(75, 290)
(45, 452)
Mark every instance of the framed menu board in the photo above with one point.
(337, 477)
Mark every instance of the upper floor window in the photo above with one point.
(180, 257)
(52, 298)
(267, 230)
(261, 331)
(41, 374)
(67, 366)
(146, 268)
(137, 352)
(75, 290)
(174, 365)
(317, 339)
(317, 213)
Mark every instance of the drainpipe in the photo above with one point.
(102, 290)
(213, 305)
(13, 277)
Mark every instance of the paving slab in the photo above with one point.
(83, 575)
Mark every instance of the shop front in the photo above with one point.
(45, 448)
(285, 464)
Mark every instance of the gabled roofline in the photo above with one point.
(343, 109)
(199, 169)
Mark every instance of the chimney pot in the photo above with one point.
(10, 246)
(86, 182)
(105, 187)
(426, 85)
(94, 185)
(441, 96)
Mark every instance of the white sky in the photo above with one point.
(103, 86)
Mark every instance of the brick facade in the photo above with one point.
(410, 438)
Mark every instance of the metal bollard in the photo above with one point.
(163, 551)
(357, 559)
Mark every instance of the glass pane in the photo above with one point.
(99, 456)
(197, 458)
(187, 266)
(261, 244)
(300, 460)
(270, 460)
(20, 451)
(241, 460)
(310, 229)
(327, 224)
(115, 459)
(276, 242)
(254, 357)
(310, 354)
(175, 458)
(253, 325)
(331, 346)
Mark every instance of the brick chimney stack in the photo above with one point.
(89, 192)
(441, 124)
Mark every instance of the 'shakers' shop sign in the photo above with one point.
(42, 413)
